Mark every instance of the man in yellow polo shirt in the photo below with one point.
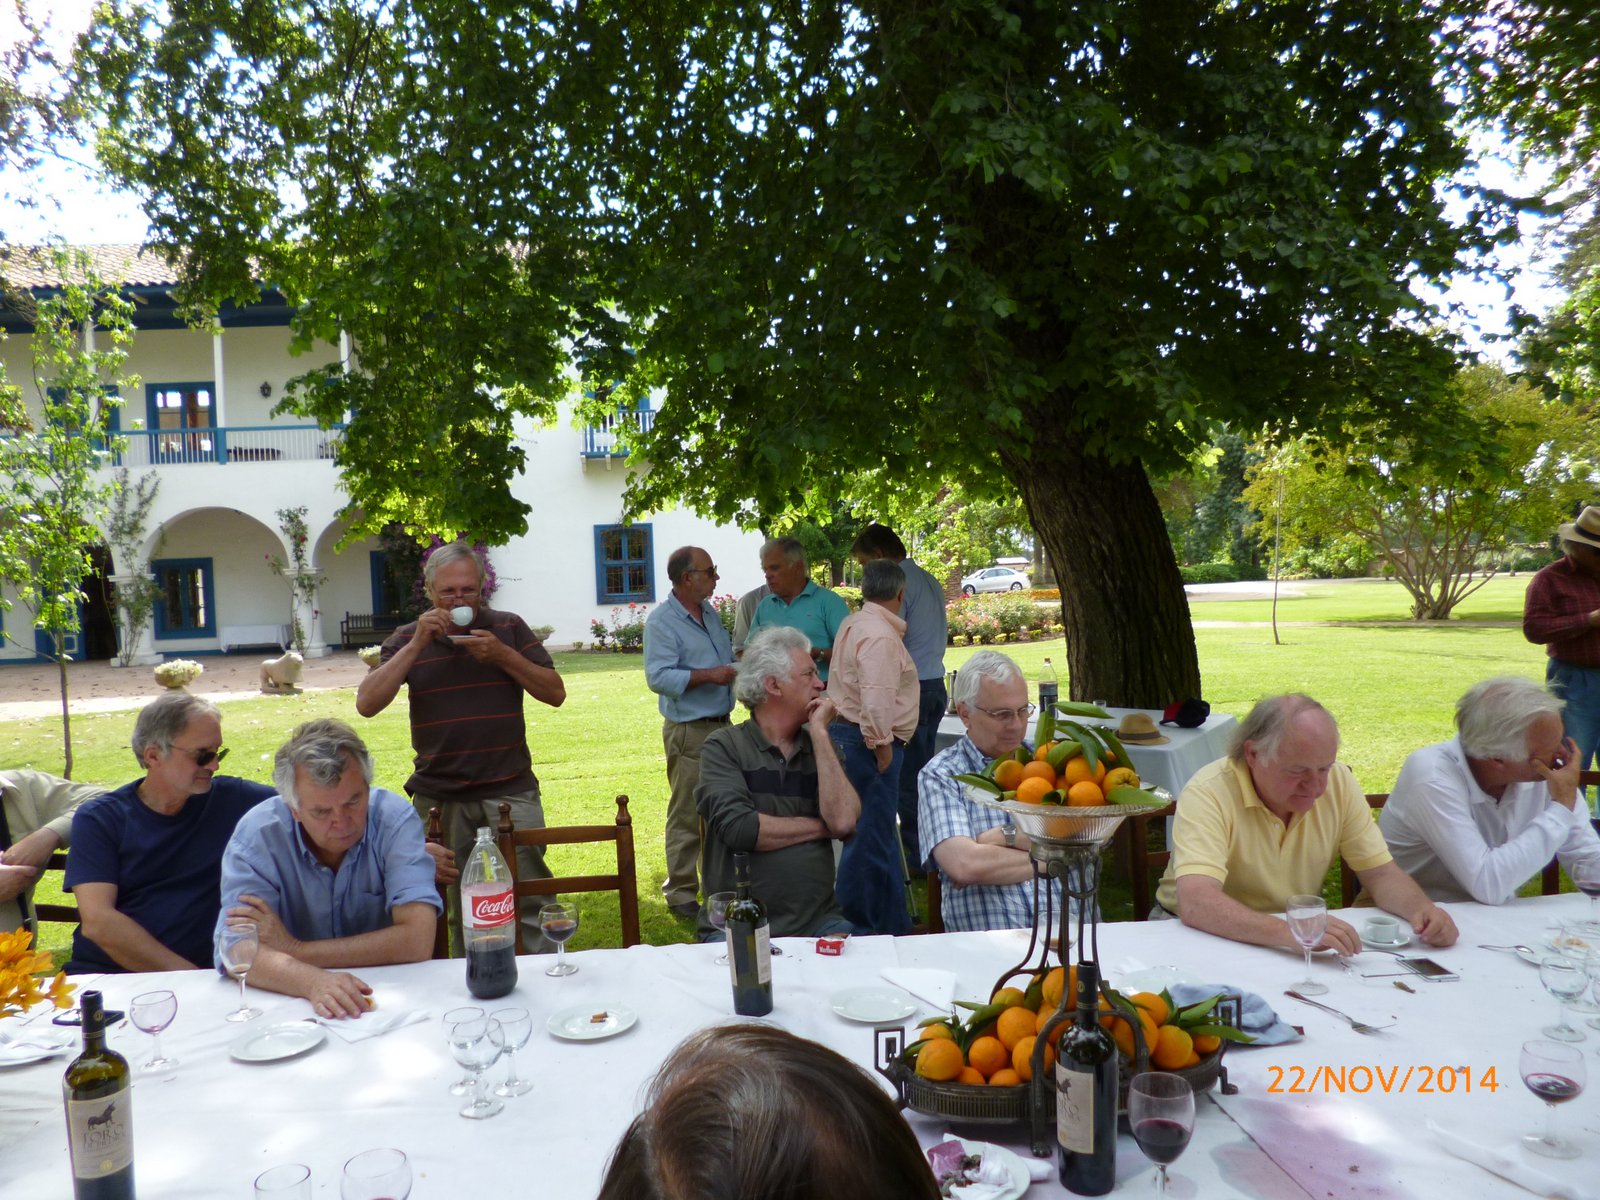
(1265, 823)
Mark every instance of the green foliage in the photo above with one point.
(1211, 572)
(1204, 509)
(136, 594)
(993, 613)
(851, 596)
(626, 631)
(727, 606)
(303, 581)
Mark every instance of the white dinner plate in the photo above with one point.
(20, 1048)
(590, 1022)
(1015, 1167)
(873, 1005)
(272, 1042)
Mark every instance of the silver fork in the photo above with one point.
(1358, 1026)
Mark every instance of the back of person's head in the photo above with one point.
(882, 580)
(878, 541)
(163, 720)
(1494, 716)
(750, 1112)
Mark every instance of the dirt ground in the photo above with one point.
(33, 689)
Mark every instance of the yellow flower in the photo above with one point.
(20, 971)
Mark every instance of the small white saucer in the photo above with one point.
(1401, 944)
(873, 1005)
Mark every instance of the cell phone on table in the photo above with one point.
(1429, 970)
(74, 1016)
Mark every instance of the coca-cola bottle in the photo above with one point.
(488, 920)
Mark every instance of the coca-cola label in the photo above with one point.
(487, 910)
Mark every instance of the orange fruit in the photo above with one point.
(939, 1060)
(1120, 777)
(987, 1055)
(1085, 795)
(1008, 774)
(1060, 982)
(1022, 1058)
(1033, 791)
(1152, 1004)
(1122, 1032)
(1173, 1048)
(1039, 770)
(1005, 1077)
(1044, 1016)
(1008, 996)
(1013, 1025)
(1192, 1061)
(1206, 1043)
(1043, 752)
(1078, 770)
(936, 1030)
(971, 1075)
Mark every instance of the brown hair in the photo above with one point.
(750, 1112)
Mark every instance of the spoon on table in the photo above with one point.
(1525, 951)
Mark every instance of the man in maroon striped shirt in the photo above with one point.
(467, 668)
(1561, 612)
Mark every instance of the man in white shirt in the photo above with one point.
(35, 821)
(1475, 817)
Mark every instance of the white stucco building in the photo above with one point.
(201, 420)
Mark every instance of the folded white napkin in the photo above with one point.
(372, 1025)
(31, 1045)
(934, 987)
(1506, 1164)
(1039, 1169)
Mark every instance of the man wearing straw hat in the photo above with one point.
(1561, 612)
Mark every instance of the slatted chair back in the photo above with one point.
(441, 932)
(622, 881)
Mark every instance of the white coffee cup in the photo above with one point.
(461, 614)
(1385, 930)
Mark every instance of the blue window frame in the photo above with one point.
(624, 568)
(182, 421)
(185, 605)
(385, 595)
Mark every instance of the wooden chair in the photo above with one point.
(622, 882)
(65, 913)
(1142, 860)
(935, 915)
(441, 932)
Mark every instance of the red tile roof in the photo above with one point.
(27, 267)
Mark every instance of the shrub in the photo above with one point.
(1211, 572)
(1046, 593)
(627, 628)
(850, 595)
(727, 606)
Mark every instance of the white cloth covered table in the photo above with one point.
(210, 1127)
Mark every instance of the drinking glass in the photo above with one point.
(291, 1181)
(516, 1027)
(236, 947)
(454, 1017)
(376, 1175)
(1308, 921)
(1161, 1115)
(559, 922)
(476, 1043)
(1587, 881)
(1564, 978)
(152, 1012)
(1556, 1074)
(717, 913)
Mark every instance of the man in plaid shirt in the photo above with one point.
(1561, 612)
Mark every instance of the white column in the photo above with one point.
(217, 409)
(144, 653)
(308, 609)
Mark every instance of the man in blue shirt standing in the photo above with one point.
(333, 873)
(688, 663)
(797, 602)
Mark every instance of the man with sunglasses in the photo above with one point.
(985, 872)
(146, 861)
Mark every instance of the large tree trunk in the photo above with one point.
(1129, 637)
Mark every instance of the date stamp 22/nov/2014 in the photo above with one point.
(1361, 1079)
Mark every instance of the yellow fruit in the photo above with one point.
(1042, 754)
(988, 1055)
(1022, 1058)
(1173, 1048)
(1206, 1043)
(939, 1060)
(1007, 996)
(1152, 1004)
(1058, 983)
(1005, 1077)
(1033, 791)
(936, 1030)
(1120, 777)
(1013, 1025)
(1008, 774)
(1085, 795)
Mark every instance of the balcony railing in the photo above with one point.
(602, 440)
(227, 444)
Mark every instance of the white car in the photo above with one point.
(995, 579)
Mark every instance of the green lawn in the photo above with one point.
(1392, 687)
(1362, 600)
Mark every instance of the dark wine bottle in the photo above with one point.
(1086, 1096)
(99, 1113)
(749, 946)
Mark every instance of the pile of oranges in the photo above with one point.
(1083, 786)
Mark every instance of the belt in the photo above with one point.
(901, 742)
(722, 720)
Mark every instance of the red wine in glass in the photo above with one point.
(1553, 1089)
(1161, 1138)
(558, 923)
(1555, 1073)
(1161, 1115)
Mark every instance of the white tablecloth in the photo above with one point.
(210, 1127)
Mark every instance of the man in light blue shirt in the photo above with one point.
(688, 663)
(797, 602)
(332, 872)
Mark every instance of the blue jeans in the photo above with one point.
(1580, 688)
(917, 753)
(871, 882)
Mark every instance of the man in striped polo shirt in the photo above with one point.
(466, 679)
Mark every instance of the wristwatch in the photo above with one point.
(1009, 830)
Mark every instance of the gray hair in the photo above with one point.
(1494, 716)
(325, 748)
(769, 654)
(449, 553)
(164, 718)
(793, 550)
(678, 562)
(1269, 721)
(882, 579)
(985, 664)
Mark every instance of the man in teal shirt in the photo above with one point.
(797, 602)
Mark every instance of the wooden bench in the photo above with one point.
(367, 629)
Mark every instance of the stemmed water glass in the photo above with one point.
(1556, 1074)
(559, 922)
(516, 1027)
(476, 1043)
(1587, 881)
(451, 1018)
(236, 947)
(1161, 1115)
(1308, 921)
(717, 913)
(376, 1175)
(1564, 978)
(152, 1012)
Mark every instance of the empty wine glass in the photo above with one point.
(559, 922)
(1161, 1116)
(376, 1175)
(1556, 1074)
(291, 1181)
(236, 947)
(516, 1026)
(476, 1043)
(717, 913)
(153, 1012)
(1308, 921)
(454, 1017)
(1564, 978)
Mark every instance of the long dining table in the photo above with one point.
(1332, 1114)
